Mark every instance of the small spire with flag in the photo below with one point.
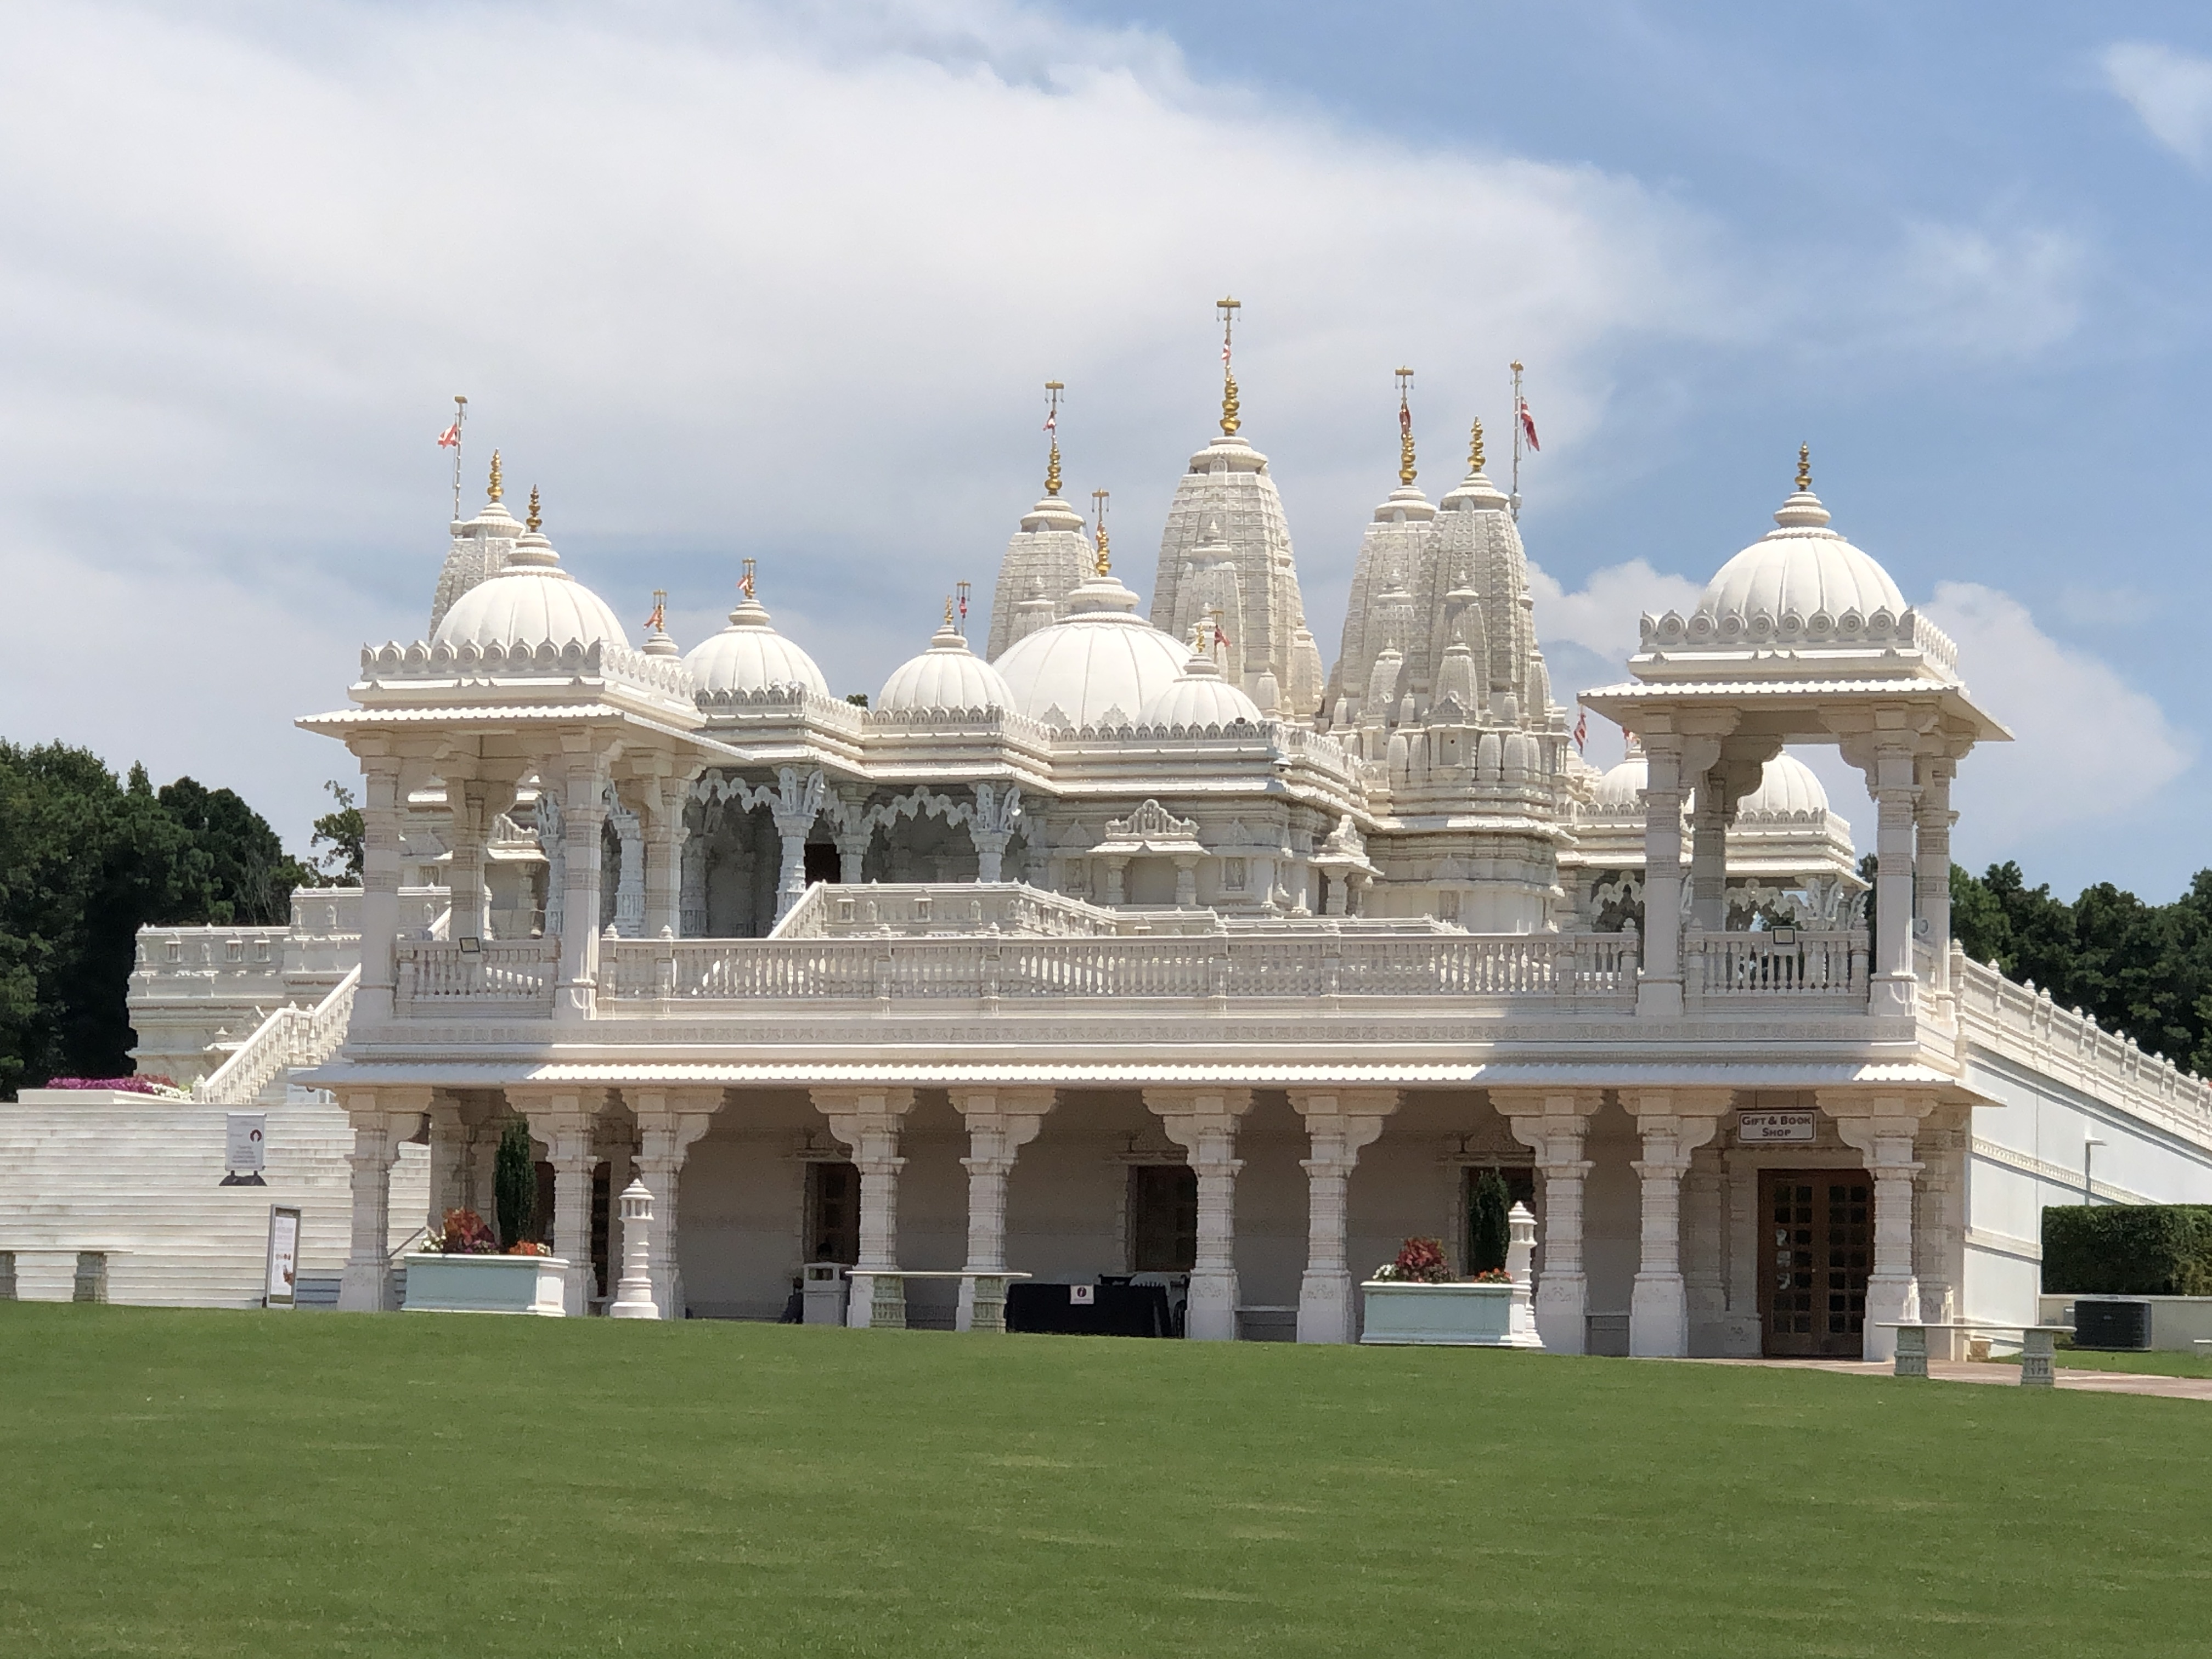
(1524, 431)
(657, 621)
(1228, 308)
(451, 439)
(745, 580)
(1105, 564)
(1053, 389)
(961, 590)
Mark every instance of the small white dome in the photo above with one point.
(749, 655)
(1103, 659)
(1799, 582)
(1620, 789)
(1199, 696)
(532, 601)
(947, 675)
(1787, 786)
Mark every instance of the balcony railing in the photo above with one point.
(1790, 964)
(435, 975)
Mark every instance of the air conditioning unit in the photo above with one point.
(2111, 1324)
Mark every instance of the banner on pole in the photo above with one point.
(245, 1135)
(283, 1256)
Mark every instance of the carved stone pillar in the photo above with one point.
(381, 1119)
(1673, 1124)
(868, 1122)
(1551, 1124)
(1659, 991)
(796, 805)
(1115, 867)
(563, 1120)
(1000, 1123)
(666, 847)
(1938, 1232)
(1884, 1128)
(1203, 1123)
(583, 821)
(1932, 817)
(629, 920)
(1890, 781)
(692, 910)
(466, 803)
(1709, 817)
(1704, 1249)
(668, 1121)
(991, 826)
(449, 1159)
(1339, 1123)
(380, 807)
(1186, 896)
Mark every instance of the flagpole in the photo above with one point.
(1516, 502)
(460, 414)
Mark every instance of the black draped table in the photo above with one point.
(1114, 1310)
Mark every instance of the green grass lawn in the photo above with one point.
(2157, 1362)
(189, 1484)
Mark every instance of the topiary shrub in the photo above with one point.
(514, 1186)
(1488, 1231)
(2127, 1250)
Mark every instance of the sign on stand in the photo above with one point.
(279, 1285)
(1773, 1129)
(245, 1136)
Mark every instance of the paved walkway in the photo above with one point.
(2170, 1388)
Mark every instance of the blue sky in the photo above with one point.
(782, 281)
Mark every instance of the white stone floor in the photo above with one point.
(2170, 1388)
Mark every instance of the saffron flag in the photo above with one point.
(1405, 422)
(1052, 420)
(659, 617)
(1220, 639)
(451, 437)
(1529, 427)
(1582, 730)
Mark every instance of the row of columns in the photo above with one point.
(1671, 1125)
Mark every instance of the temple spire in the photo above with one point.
(498, 485)
(1474, 447)
(1804, 469)
(1053, 389)
(535, 518)
(1105, 565)
(1407, 473)
(1230, 422)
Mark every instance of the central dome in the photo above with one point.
(947, 677)
(1102, 661)
(749, 655)
(1800, 581)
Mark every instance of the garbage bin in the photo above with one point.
(823, 1286)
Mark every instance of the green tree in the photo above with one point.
(1489, 1230)
(337, 840)
(515, 1185)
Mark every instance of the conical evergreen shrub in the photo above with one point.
(514, 1186)
(1488, 1227)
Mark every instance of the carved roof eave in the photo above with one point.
(1149, 847)
(1473, 823)
(1796, 709)
(344, 723)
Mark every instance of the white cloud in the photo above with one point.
(1983, 291)
(2170, 90)
(731, 280)
(1601, 617)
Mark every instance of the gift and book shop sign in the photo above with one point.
(1772, 1129)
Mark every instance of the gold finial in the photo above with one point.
(1804, 469)
(534, 519)
(1053, 389)
(1228, 309)
(948, 610)
(1406, 470)
(498, 488)
(1197, 633)
(1105, 565)
(1474, 447)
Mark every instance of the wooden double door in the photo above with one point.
(1816, 1248)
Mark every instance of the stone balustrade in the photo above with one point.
(435, 973)
(1790, 966)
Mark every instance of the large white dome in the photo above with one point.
(1103, 660)
(1787, 787)
(532, 601)
(1800, 582)
(948, 676)
(1198, 697)
(749, 655)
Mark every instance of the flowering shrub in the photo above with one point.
(528, 1247)
(144, 1082)
(1492, 1276)
(1421, 1261)
(465, 1234)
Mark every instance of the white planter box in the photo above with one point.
(1450, 1315)
(486, 1283)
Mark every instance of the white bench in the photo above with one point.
(2039, 1344)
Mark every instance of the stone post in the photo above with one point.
(794, 806)
(868, 1122)
(634, 1295)
(1000, 1123)
(668, 1121)
(381, 804)
(563, 1122)
(1704, 1249)
(1339, 1123)
(1115, 867)
(449, 1155)
(629, 873)
(1669, 762)
(1883, 1129)
(1673, 1124)
(1551, 1123)
(1939, 1236)
(1709, 817)
(1897, 798)
(1203, 1123)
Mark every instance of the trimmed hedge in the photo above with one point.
(2127, 1250)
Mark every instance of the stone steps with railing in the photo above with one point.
(290, 1038)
